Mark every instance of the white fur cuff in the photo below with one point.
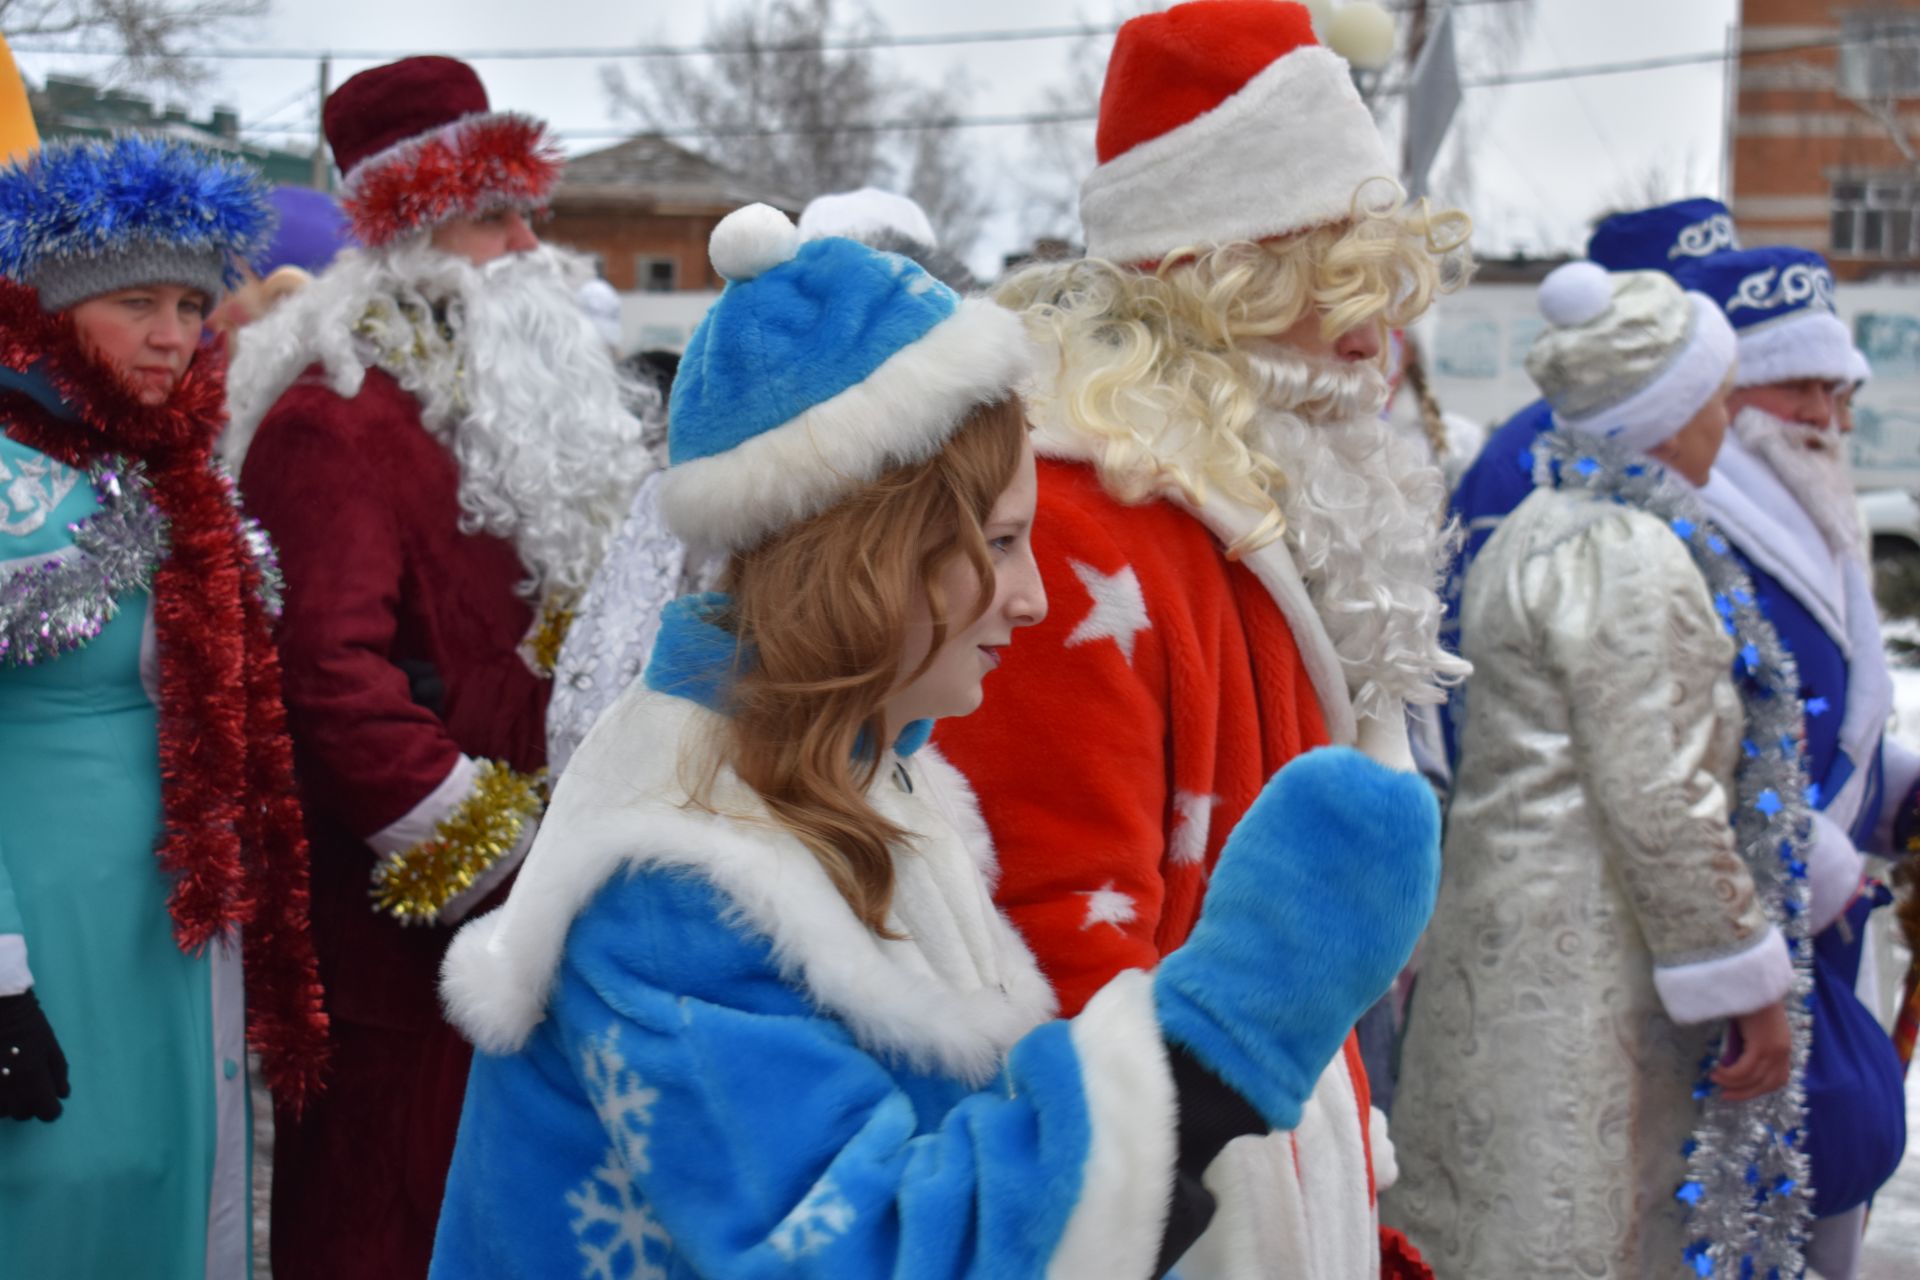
(1288, 152)
(1811, 344)
(15, 977)
(422, 822)
(1834, 871)
(1132, 1115)
(1726, 986)
(901, 413)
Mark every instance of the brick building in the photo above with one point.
(644, 209)
(1824, 146)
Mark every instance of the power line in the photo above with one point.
(1015, 119)
(833, 44)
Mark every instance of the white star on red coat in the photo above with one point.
(1107, 905)
(1119, 610)
(1192, 821)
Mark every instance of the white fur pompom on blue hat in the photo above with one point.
(823, 365)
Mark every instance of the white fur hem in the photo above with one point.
(1132, 1116)
(620, 804)
(1726, 986)
(1658, 410)
(1386, 1165)
(422, 822)
(15, 977)
(1288, 152)
(901, 413)
(1812, 344)
(1834, 871)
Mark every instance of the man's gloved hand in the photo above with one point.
(1320, 895)
(33, 1071)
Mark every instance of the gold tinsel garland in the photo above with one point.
(414, 884)
(541, 649)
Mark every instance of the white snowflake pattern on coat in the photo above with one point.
(611, 1222)
(817, 1221)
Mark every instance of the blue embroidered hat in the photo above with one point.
(822, 366)
(1780, 302)
(85, 216)
(1664, 237)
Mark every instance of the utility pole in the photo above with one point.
(322, 165)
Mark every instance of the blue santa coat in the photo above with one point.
(694, 1061)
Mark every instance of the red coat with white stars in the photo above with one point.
(1116, 749)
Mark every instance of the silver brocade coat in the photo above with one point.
(1545, 1092)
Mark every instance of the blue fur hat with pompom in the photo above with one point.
(822, 366)
(85, 216)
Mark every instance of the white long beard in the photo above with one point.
(1812, 463)
(1363, 506)
(517, 385)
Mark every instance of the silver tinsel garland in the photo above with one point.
(66, 600)
(58, 605)
(1746, 1195)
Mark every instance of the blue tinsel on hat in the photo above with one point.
(79, 198)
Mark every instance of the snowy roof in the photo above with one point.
(653, 172)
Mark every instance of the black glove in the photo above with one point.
(33, 1071)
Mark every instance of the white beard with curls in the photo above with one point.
(518, 386)
(1812, 463)
(1363, 507)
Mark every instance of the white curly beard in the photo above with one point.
(1812, 463)
(1363, 506)
(517, 385)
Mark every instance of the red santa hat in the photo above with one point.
(418, 144)
(1223, 121)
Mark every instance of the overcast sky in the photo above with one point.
(1544, 158)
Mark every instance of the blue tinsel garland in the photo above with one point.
(1746, 1196)
(86, 196)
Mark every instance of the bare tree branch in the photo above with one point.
(784, 109)
(154, 38)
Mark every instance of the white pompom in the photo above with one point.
(752, 240)
(1363, 34)
(1320, 11)
(1576, 294)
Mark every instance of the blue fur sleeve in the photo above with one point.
(683, 1111)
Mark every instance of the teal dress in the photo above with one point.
(145, 1174)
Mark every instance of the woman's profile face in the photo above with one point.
(951, 684)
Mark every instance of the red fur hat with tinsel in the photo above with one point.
(418, 144)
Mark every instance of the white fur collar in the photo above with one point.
(1230, 521)
(620, 804)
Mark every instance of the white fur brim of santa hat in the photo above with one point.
(1290, 151)
(1801, 344)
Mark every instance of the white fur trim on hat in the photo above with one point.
(1657, 411)
(899, 414)
(1804, 344)
(1290, 151)
(866, 212)
(1859, 368)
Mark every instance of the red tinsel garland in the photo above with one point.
(233, 840)
(466, 168)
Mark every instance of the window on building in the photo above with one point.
(1880, 54)
(1875, 217)
(655, 275)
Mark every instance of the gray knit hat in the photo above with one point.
(64, 281)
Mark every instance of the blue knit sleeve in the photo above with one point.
(684, 1106)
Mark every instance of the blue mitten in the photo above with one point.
(1321, 892)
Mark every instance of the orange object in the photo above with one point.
(19, 136)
